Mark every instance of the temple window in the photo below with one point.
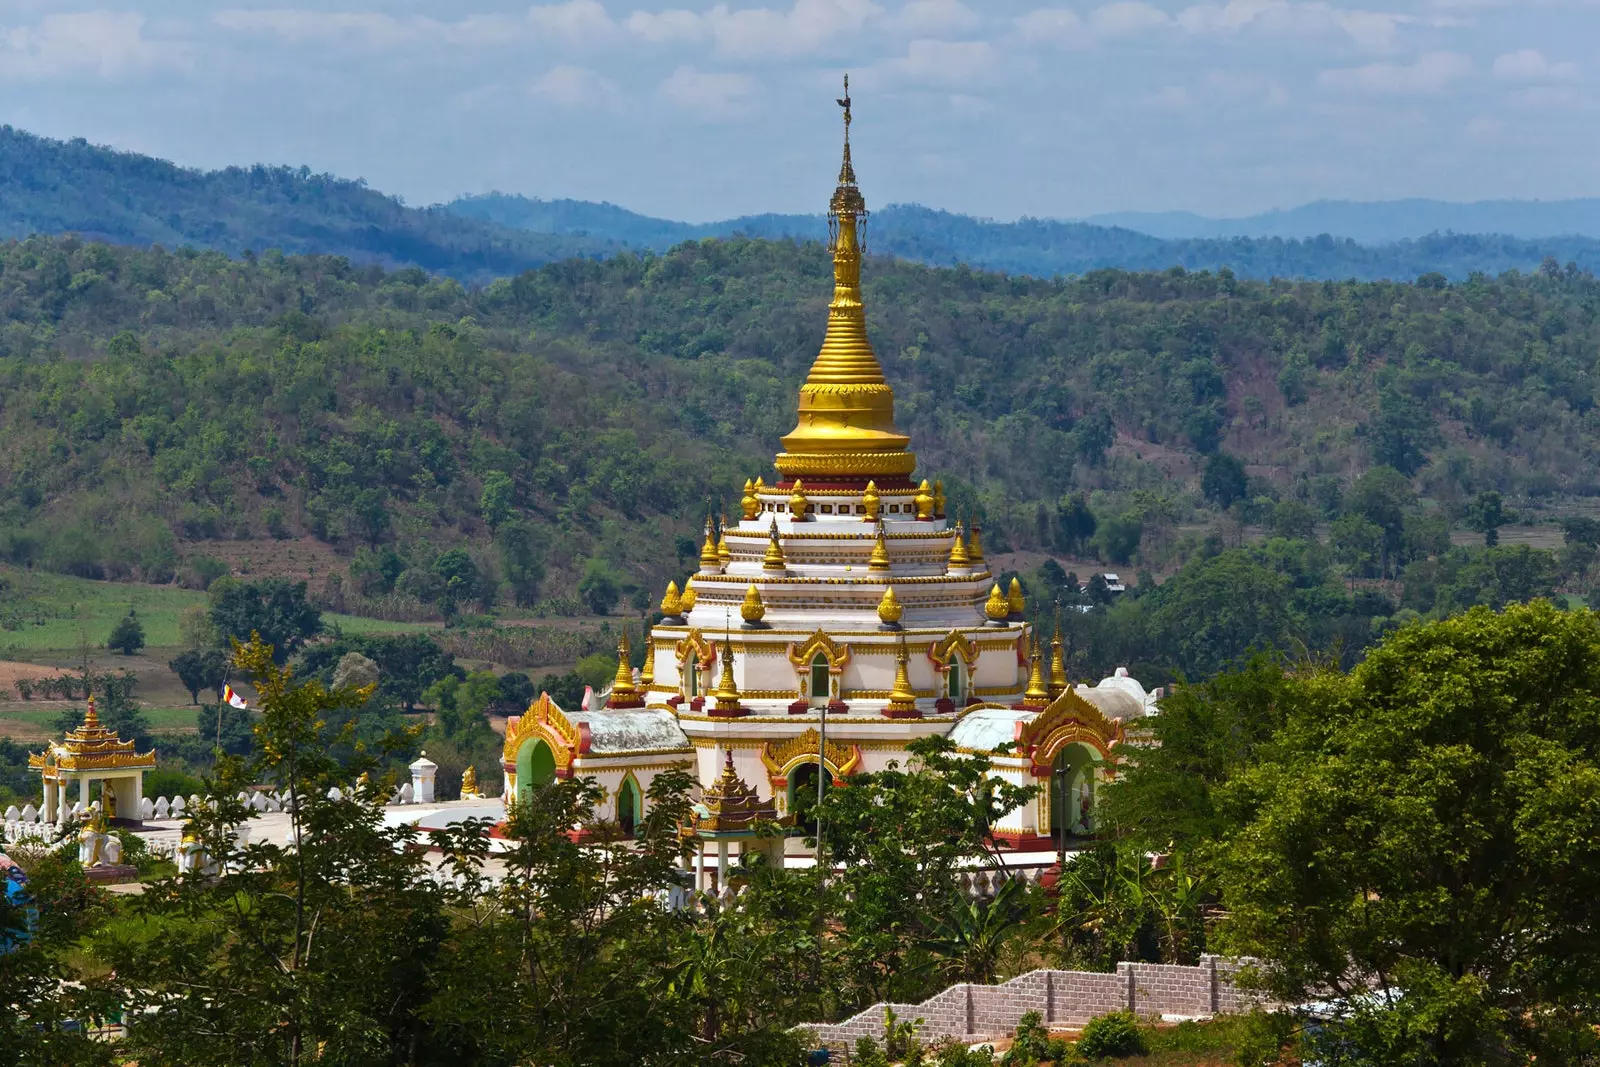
(691, 678)
(955, 679)
(827, 509)
(819, 677)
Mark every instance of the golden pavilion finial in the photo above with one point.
(754, 608)
(647, 673)
(671, 603)
(880, 554)
(774, 562)
(623, 692)
(846, 421)
(902, 698)
(690, 596)
(91, 718)
(1014, 599)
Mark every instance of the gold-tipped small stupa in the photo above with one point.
(671, 603)
(889, 608)
(879, 563)
(846, 420)
(647, 673)
(924, 501)
(996, 607)
(753, 609)
(958, 550)
(1036, 695)
(1058, 660)
(727, 691)
(690, 597)
(623, 692)
(724, 553)
(870, 501)
(773, 562)
(748, 503)
(902, 698)
(1014, 599)
(709, 563)
(975, 545)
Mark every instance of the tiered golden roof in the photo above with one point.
(623, 692)
(92, 747)
(729, 805)
(846, 426)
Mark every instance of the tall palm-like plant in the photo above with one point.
(968, 942)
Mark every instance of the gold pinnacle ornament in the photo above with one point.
(924, 501)
(902, 698)
(727, 691)
(647, 673)
(889, 609)
(708, 551)
(724, 553)
(798, 504)
(846, 425)
(690, 597)
(773, 562)
(753, 609)
(975, 545)
(958, 551)
(1017, 604)
(938, 499)
(748, 503)
(1036, 694)
(996, 607)
(623, 693)
(879, 563)
(870, 501)
(1058, 659)
(671, 604)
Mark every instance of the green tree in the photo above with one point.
(599, 586)
(1414, 842)
(1487, 514)
(495, 503)
(200, 669)
(275, 608)
(1216, 611)
(522, 560)
(1224, 480)
(127, 636)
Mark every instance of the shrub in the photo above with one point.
(127, 636)
(169, 782)
(1112, 1036)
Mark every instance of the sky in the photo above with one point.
(1050, 108)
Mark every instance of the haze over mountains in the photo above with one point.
(52, 187)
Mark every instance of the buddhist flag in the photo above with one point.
(233, 698)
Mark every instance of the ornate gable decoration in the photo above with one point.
(950, 645)
(544, 720)
(838, 654)
(781, 757)
(1068, 718)
(703, 651)
(731, 806)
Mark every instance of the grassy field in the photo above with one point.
(43, 613)
(23, 722)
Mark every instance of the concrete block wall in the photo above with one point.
(976, 1012)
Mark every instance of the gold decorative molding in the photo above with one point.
(545, 720)
(954, 643)
(1066, 720)
(837, 653)
(781, 757)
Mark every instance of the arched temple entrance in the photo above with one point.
(1072, 792)
(802, 797)
(629, 808)
(536, 766)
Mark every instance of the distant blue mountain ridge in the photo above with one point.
(53, 187)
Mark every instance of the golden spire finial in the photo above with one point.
(870, 501)
(748, 503)
(690, 596)
(1058, 659)
(846, 419)
(1014, 599)
(880, 553)
(958, 551)
(773, 561)
(975, 544)
(91, 718)
(724, 553)
(996, 607)
(938, 499)
(754, 608)
(902, 698)
(1036, 693)
(647, 673)
(727, 691)
(671, 603)
(709, 564)
(623, 693)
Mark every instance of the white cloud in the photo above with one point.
(935, 16)
(1051, 24)
(938, 62)
(708, 94)
(575, 20)
(1431, 73)
(1530, 65)
(1126, 17)
(366, 28)
(103, 43)
(571, 86)
(755, 32)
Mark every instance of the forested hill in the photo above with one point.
(55, 187)
(152, 399)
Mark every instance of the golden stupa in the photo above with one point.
(846, 428)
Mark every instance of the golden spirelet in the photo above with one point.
(754, 608)
(690, 597)
(870, 501)
(1036, 692)
(889, 609)
(924, 501)
(996, 607)
(622, 685)
(748, 503)
(671, 603)
(724, 553)
(880, 554)
(798, 504)
(902, 698)
(708, 551)
(774, 559)
(975, 545)
(958, 550)
(1014, 599)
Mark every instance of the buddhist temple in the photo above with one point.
(91, 755)
(843, 615)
